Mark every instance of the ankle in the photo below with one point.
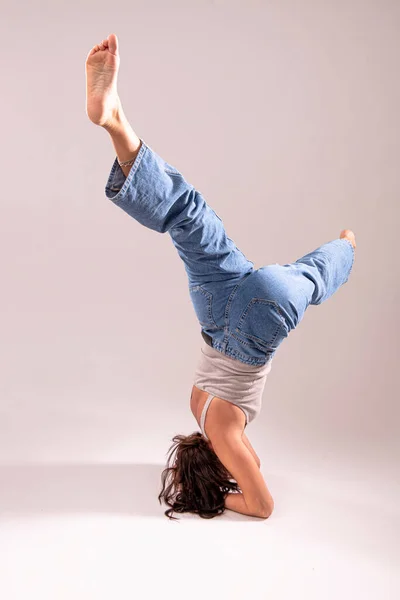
(116, 122)
(125, 141)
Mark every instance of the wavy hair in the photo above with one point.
(195, 480)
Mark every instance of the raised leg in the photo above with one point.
(327, 268)
(311, 279)
(151, 190)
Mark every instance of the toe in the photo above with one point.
(113, 43)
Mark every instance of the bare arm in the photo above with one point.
(255, 499)
(237, 503)
(230, 444)
(246, 442)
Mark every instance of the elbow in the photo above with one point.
(266, 511)
(265, 514)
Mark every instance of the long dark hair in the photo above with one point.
(195, 480)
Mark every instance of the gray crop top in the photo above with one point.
(232, 380)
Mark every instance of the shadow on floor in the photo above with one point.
(129, 489)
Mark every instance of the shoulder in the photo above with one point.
(223, 418)
(221, 415)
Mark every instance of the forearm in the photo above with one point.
(237, 503)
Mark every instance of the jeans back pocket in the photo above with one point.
(262, 324)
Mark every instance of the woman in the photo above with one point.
(244, 313)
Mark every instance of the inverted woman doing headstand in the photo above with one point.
(244, 313)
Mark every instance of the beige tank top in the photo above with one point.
(232, 380)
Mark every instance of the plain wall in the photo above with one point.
(286, 117)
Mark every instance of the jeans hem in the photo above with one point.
(116, 171)
(353, 256)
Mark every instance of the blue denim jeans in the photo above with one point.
(243, 312)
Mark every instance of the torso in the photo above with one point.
(222, 411)
(240, 385)
(197, 401)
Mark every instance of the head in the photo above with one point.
(194, 479)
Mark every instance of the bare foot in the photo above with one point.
(349, 235)
(102, 64)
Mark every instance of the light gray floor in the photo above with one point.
(97, 531)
